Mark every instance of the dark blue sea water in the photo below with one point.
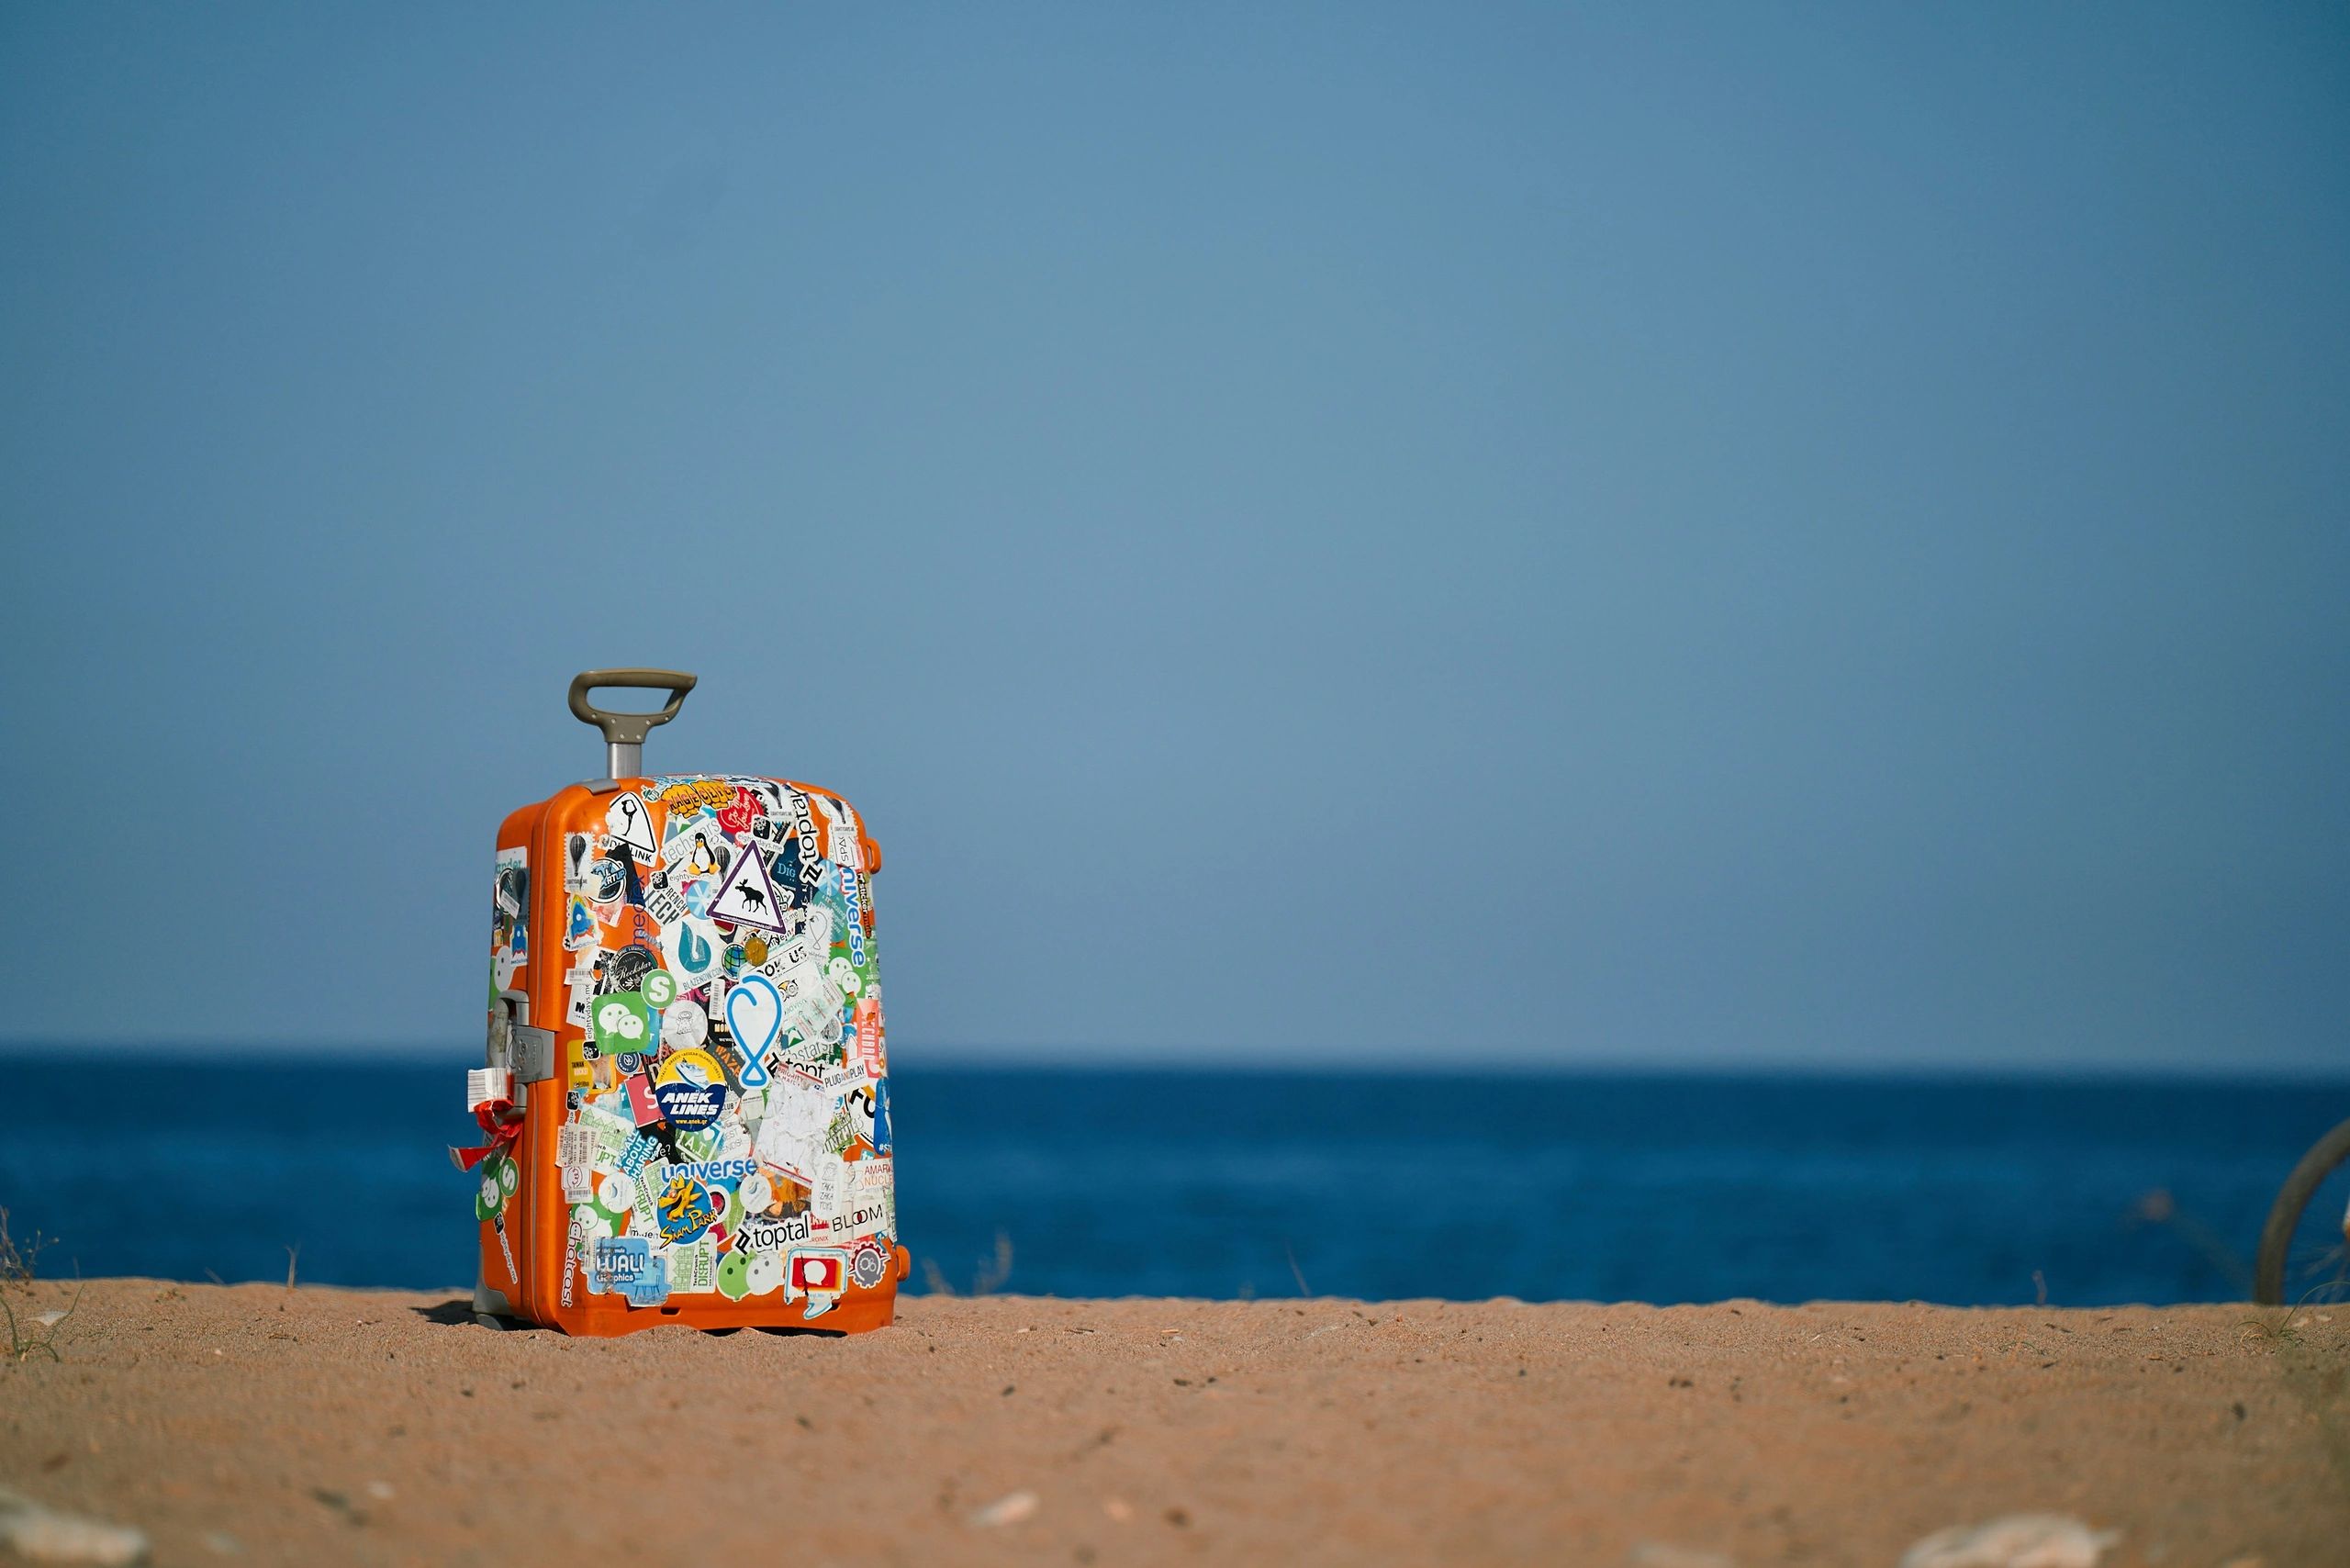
(1655, 1188)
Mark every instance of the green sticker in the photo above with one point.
(660, 989)
(622, 1025)
(499, 1176)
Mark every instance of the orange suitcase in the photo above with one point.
(686, 1101)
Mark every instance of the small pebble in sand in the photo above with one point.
(220, 1543)
(1008, 1509)
(44, 1535)
(49, 1319)
(1662, 1554)
(2018, 1540)
(1119, 1509)
(380, 1490)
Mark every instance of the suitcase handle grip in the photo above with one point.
(624, 733)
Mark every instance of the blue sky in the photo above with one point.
(1747, 536)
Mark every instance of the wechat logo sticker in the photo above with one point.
(621, 1023)
(499, 1179)
(660, 989)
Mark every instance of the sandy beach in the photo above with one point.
(255, 1423)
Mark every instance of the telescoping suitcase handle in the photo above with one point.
(624, 733)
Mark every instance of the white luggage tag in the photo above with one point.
(485, 1085)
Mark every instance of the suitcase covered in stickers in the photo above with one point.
(686, 1098)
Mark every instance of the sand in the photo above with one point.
(259, 1424)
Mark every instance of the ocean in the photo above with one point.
(1661, 1188)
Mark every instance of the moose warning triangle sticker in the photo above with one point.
(632, 825)
(747, 897)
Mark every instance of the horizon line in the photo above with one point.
(966, 1057)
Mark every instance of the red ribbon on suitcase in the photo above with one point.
(493, 1118)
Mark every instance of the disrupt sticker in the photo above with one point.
(693, 1270)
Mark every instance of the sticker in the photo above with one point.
(631, 826)
(685, 1205)
(509, 918)
(734, 1275)
(689, 949)
(684, 1025)
(791, 1135)
(573, 1243)
(696, 848)
(500, 1178)
(738, 813)
(690, 1090)
(660, 989)
(840, 832)
(863, 1104)
(773, 1235)
(642, 1105)
(640, 952)
(627, 1264)
(765, 1276)
(867, 1050)
(605, 882)
(484, 1084)
(693, 1269)
(809, 852)
(661, 903)
(820, 1274)
(621, 1021)
(693, 794)
(753, 1017)
(852, 885)
(747, 897)
(617, 1193)
(868, 1264)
